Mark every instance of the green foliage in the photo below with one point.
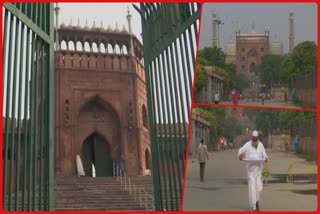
(231, 127)
(211, 118)
(202, 61)
(231, 79)
(220, 125)
(264, 119)
(287, 68)
(214, 56)
(270, 69)
(304, 57)
(267, 119)
(289, 119)
(201, 78)
(240, 82)
(272, 119)
(302, 61)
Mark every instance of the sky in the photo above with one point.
(274, 15)
(108, 13)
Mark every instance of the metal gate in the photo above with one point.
(170, 33)
(27, 73)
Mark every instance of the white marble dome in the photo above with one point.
(276, 47)
(230, 48)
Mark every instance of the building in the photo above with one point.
(214, 85)
(250, 47)
(247, 50)
(100, 100)
(200, 129)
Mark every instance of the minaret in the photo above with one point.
(130, 31)
(214, 30)
(291, 36)
(57, 10)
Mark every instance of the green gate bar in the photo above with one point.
(28, 166)
(170, 32)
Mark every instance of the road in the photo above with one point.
(225, 187)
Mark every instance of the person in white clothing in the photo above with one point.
(254, 154)
(216, 98)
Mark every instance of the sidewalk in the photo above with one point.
(287, 163)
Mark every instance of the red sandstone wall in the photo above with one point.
(79, 78)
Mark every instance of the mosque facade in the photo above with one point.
(248, 48)
(100, 100)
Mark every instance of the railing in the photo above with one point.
(145, 199)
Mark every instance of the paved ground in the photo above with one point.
(225, 187)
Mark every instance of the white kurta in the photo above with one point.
(254, 167)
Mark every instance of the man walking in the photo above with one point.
(202, 158)
(254, 154)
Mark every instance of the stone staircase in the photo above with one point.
(168, 195)
(95, 194)
(104, 194)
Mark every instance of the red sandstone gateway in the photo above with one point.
(100, 102)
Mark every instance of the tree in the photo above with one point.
(201, 75)
(303, 60)
(270, 69)
(214, 116)
(290, 118)
(231, 79)
(267, 119)
(214, 56)
(240, 82)
(287, 68)
(211, 118)
(304, 57)
(264, 119)
(231, 127)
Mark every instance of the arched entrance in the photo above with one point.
(252, 60)
(252, 67)
(147, 159)
(96, 151)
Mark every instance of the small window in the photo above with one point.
(243, 59)
(262, 49)
(243, 49)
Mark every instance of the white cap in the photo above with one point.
(255, 133)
